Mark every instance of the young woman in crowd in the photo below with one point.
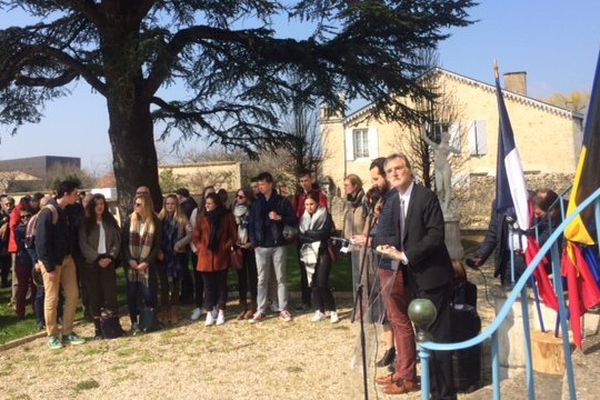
(316, 227)
(247, 274)
(214, 236)
(355, 215)
(100, 244)
(141, 244)
(198, 284)
(23, 265)
(176, 235)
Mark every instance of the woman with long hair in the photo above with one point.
(316, 227)
(100, 244)
(247, 274)
(141, 244)
(214, 237)
(176, 235)
(198, 284)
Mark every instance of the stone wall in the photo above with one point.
(475, 199)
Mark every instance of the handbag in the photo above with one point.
(110, 325)
(237, 259)
(148, 321)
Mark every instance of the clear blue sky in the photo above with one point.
(557, 43)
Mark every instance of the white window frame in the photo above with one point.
(360, 143)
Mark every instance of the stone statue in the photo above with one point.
(443, 174)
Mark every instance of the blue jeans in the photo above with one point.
(146, 292)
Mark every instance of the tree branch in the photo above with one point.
(21, 58)
(89, 9)
(65, 78)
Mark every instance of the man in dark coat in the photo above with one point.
(497, 241)
(411, 231)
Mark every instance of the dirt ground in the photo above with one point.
(270, 360)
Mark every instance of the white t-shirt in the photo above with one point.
(102, 240)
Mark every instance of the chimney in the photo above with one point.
(516, 82)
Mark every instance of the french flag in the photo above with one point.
(511, 190)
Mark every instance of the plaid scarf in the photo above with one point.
(141, 238)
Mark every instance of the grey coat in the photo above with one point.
(89, 242)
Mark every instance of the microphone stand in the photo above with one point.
(359, 301)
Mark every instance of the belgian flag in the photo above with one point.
(583, 290)
(587, 176)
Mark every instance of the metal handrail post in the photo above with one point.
(424, 355)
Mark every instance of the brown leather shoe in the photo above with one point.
(401, 386)
(387, 379)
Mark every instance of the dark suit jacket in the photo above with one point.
(429, 263)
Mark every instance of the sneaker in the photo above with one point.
(319, 316)
(210, 319)
(196, 314)
(220, 317)
(257, 317)
(275, 307)
(334, 318)
(285, 316)
(54, 343)
(73, 338)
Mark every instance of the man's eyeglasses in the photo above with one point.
(25, 216)
(241, 196)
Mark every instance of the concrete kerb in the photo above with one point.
(27, 339)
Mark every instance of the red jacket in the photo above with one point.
(300, 196)
(15, 218)
(227, 237)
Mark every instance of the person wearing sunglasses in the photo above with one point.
(141, 243)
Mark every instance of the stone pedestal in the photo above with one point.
(452, 235)
(511, 336)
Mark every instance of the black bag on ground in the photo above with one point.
(466, 363)
(110, 325)
(148, 321)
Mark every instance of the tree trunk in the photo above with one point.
(134, 154)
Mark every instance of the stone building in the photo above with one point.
(195, 176)
(548, 139)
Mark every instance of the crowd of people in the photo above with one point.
(60, 248)
(67, 246)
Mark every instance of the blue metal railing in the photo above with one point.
(520, 289)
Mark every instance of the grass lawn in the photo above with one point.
(341, 281)
(11, 328)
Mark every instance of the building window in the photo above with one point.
(477, 138)
(360, 138)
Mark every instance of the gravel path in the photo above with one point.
(271, 360)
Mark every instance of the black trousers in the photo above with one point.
(163, 283)
(4, 269)
(198, 282)
(304, 283)
(248, 277)
(440, 366)
(187, 283)
(320, 281)
(101, 284)
(215, 289)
